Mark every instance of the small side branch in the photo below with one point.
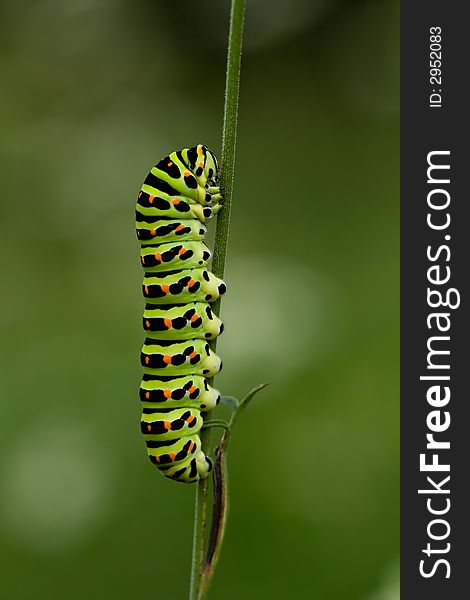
(221, 496)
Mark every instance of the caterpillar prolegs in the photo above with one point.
(177, 198)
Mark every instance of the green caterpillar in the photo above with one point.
(178, 196)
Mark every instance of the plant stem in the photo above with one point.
(221, 494)
(227, 168)
(229, 137)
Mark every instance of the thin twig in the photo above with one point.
(227, 168)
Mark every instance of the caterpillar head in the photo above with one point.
(211, 167)
(203, 163)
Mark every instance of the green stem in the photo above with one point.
(229, 137)
(221, 495)
(219, 513)
(227, 168)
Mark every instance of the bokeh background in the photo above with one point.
(94, 92)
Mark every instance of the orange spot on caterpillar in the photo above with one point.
(175, 201)
(179, 228)
(153, 231)
(165, 288)
(182, 251)
(147, 360)
(149, 427)
(167, 359)
(199, 150)
(194, 318)
(201, 164)
(169, 164)
(147, 395)
(147, 323)
(187, 174)
(146, 290)
(190, 449)
(190, 419)
(142, 259)
(172, 455)
(151, 199)
(167, 393)
(167, 425)
(192, 389)
(158, 256)
(193, 354)
(191, 282)
(168, 323)
(157, 459)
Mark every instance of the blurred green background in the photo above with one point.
(93, 94)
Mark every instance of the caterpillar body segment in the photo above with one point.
(173, 443)
(190, 321)
(193, 390)
(175, 230)
(179, 195)
(181, 287)
(153, 207)
(193, 356)
(174, 256)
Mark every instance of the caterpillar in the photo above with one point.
(177, 198)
